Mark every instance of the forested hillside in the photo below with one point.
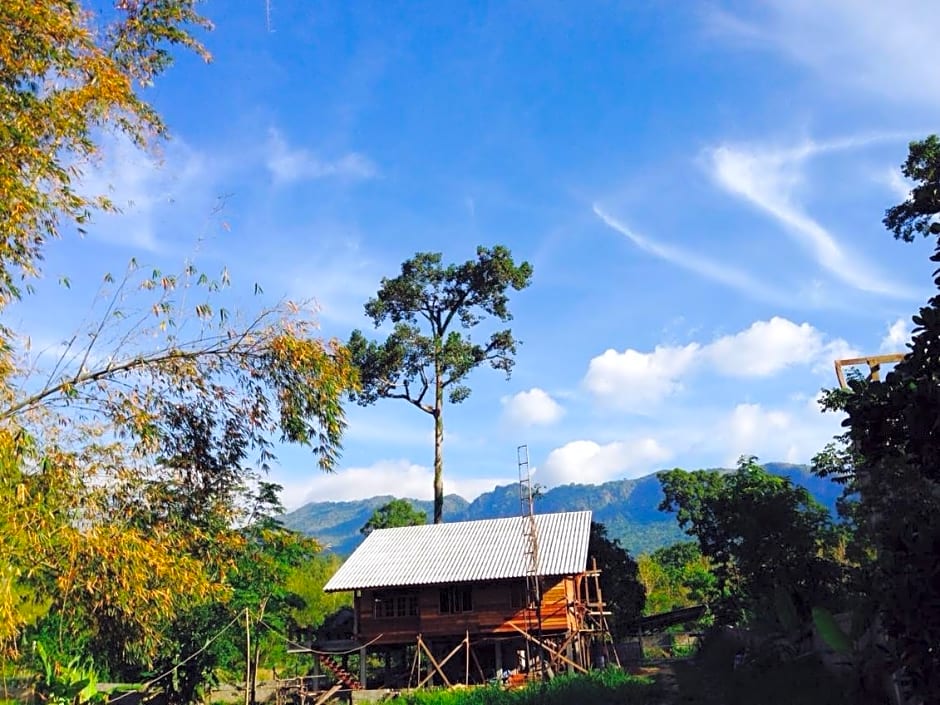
(629, 509)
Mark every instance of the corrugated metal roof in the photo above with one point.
(490, 549)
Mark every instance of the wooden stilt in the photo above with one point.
(476, 662)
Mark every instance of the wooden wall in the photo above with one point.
(492, 612)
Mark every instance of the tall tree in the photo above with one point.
(427, 357)
(398, 512)
(761, 533)
(888, 460)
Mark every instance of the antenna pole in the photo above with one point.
(533, 580)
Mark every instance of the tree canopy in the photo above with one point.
(760, 533)
(676, 576)
(427, 357)
(132, 463)
(888, 460)
(67, 77)
(395, 513)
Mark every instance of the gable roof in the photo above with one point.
(490, 549)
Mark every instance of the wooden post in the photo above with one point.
(362, 666)
(466, 679)
(417, 668)
(498, 646)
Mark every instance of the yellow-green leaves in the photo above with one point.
(63, 82)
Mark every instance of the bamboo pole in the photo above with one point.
(247, 658)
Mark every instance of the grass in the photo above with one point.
(607, 687)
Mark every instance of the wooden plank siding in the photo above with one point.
(493, 611)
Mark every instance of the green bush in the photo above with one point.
(607, 687)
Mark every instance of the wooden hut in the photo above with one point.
(476, 587)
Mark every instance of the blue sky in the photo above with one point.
(699, 187)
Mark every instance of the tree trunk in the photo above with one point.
(438, 437)
(438, 466)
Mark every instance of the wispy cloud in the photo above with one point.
(707, 268)
(868, 46)
(898, 336)
(767, 179)
(147, 189)
(288, 164)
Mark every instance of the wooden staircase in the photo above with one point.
(339, 673)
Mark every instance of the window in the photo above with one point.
(519, 596)
(456, 599)
(387, 605)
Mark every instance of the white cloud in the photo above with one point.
(874, 46)
(633, 380)
(584, 462)
(704, 267)
(534, 407)
(838, 349)
(288, 164)
(766, 347)
(767, 178)
(399, 478)
(898, 336)
(791, 435)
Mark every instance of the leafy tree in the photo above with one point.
(307, 581)
(620, 584)
(676, 576)
(67, 77)
(398, 512)
(918, 213)
(761, 534)
(426, 356)
(154, 450)
(888, 460)
(130, 466)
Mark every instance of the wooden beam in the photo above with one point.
(564, 645)
(328, 694)
(439, 666)
(549, 649)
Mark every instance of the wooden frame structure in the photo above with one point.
(874, 363)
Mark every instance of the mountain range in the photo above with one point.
(628, 508)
